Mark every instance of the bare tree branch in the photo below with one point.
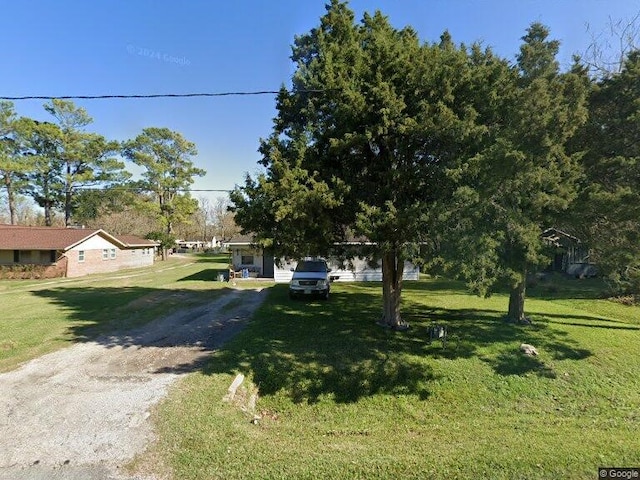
(608, 50)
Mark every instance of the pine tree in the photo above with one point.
(522, 179)
(361, 144)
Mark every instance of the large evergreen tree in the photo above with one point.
(522, 179)
(360, 144)
(608, 211)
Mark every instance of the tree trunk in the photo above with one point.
(516, 301)
(164, 254)
(47, 204)
(47, 213)
(392, 270)
(67, 197)
(67, 209)
(11, 201)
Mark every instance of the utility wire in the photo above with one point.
(157, 95)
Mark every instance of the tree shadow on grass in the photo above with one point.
(310, 350)
(510, 363)
(345, 379)
(485, 334)
(305, 350)
(201, 257)
(143, 317)
(207, 275)
(514, 362)
(562, 351)
(552, 286)
(618, 325)
(549, 287)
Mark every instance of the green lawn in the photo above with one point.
(41, 316)
(340, 397)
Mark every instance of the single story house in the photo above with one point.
(245, 255)
(571, 255)
(72, 252)
(260, 263)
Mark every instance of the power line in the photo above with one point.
(156, 95)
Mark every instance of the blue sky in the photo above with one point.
(102, 47)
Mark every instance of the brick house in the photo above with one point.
(71, 252)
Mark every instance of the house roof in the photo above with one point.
(239, 240)
(556, 237)
(18, 237)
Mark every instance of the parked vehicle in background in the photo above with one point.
(310, 278)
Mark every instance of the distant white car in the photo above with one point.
(310, 278)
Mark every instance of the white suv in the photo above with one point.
(310, 278)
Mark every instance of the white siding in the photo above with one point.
(283, 273)
(239, 252)
(361, 272)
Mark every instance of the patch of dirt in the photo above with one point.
(82, 412)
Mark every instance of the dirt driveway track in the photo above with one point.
(82, 412)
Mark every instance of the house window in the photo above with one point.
(105, 254)
(52, 256)
(246, 260)
(113, 253)
(81, 255)
(16, 256)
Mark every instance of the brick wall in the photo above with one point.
(95, 262)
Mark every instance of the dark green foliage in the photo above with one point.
(40, 143)
(51, 161)
(361, 144)
(62, 167)
(520, 178)
(608, 212)
(91, 204)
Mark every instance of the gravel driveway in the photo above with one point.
(82, 412)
